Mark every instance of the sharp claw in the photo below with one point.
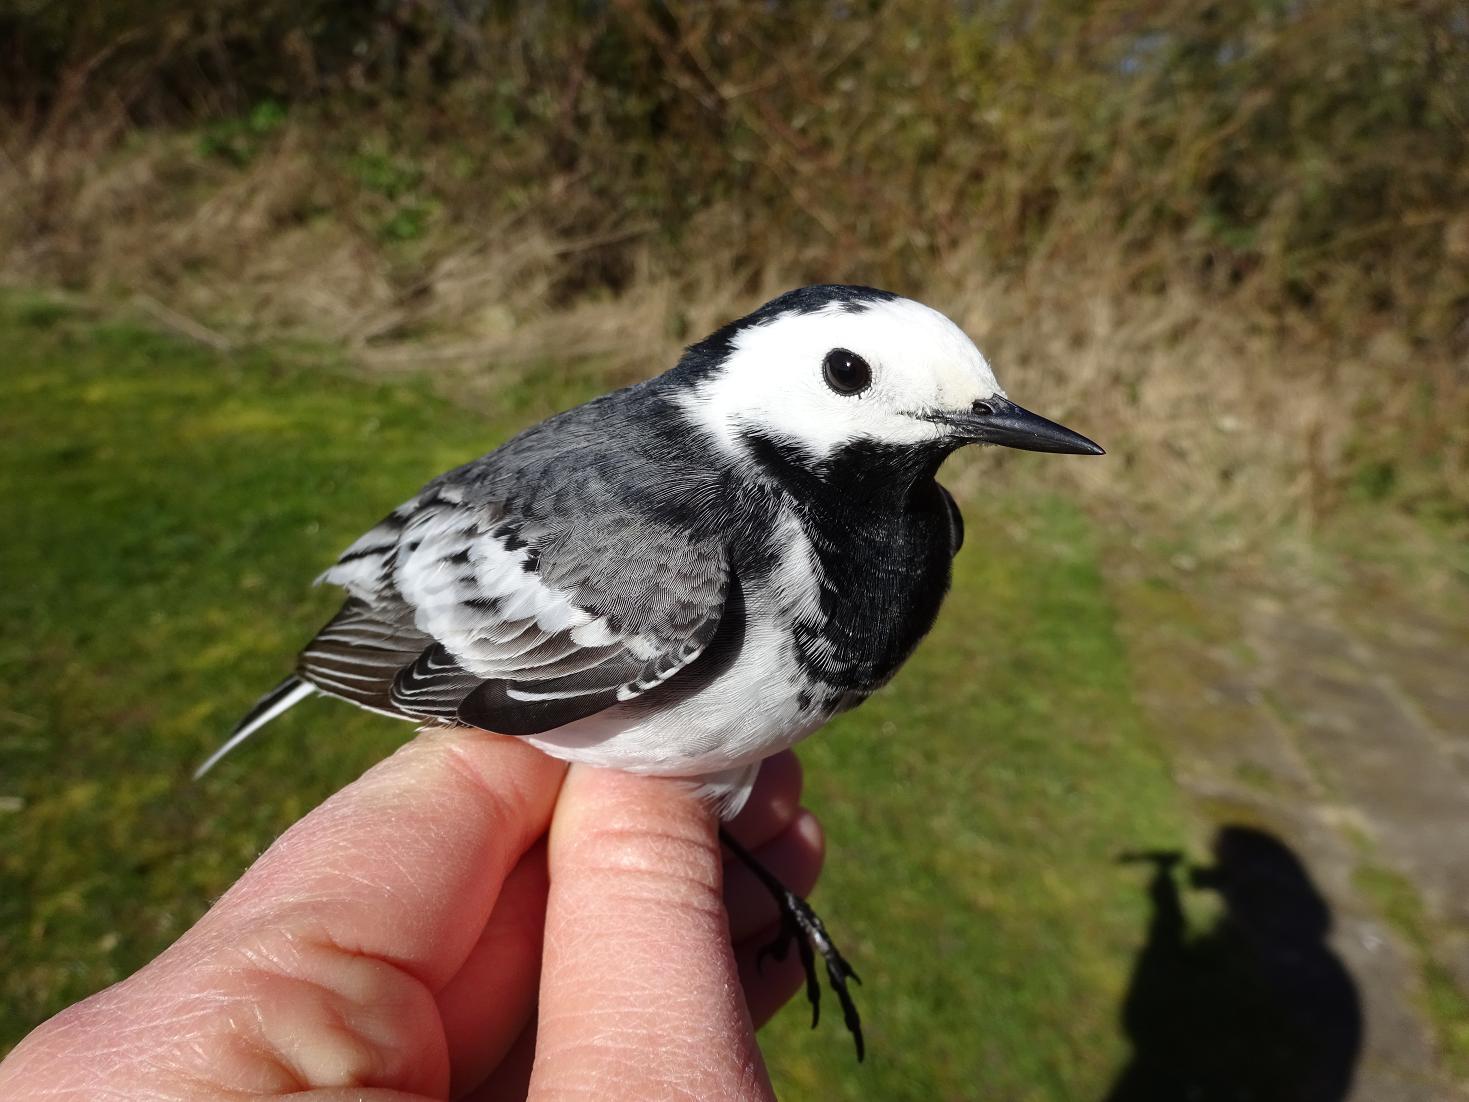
(838, 972)
(853, 1023)
(813, 984)
(799, 923)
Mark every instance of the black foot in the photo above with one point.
(800, 925)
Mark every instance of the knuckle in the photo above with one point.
(324, 1015)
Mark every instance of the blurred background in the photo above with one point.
(1174, 803)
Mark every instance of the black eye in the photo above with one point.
(846, 372)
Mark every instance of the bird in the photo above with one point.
(692, 573)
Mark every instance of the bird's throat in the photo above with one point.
(859, 475)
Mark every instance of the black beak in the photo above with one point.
(1000, 421)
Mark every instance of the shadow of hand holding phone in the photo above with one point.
(1256, 1009)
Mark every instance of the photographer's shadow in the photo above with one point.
(1257, 1008)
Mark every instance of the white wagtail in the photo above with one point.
(688, 575)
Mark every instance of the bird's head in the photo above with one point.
(835, 370)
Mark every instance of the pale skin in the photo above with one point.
(470, 919)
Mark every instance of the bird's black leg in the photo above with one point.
(800, 924)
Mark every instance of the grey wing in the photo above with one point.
(514, 623)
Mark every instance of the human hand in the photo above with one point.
(390, 946)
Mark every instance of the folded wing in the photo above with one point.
(476, 614)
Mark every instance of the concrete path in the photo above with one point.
(1336, 718)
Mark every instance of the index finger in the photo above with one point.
(322, 965)
(405, 864)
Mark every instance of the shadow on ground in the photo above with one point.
(1256, 1008)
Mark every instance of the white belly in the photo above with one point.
(749, 712)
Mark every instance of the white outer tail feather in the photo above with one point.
(288, 700)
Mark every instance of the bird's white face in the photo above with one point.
(823, 379)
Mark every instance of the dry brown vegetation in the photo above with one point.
(1230, 239)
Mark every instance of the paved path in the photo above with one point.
(1337, 719)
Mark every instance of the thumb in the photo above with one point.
(640, 992)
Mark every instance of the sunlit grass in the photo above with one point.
(165, 509)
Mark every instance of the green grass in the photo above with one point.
(165, 509)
